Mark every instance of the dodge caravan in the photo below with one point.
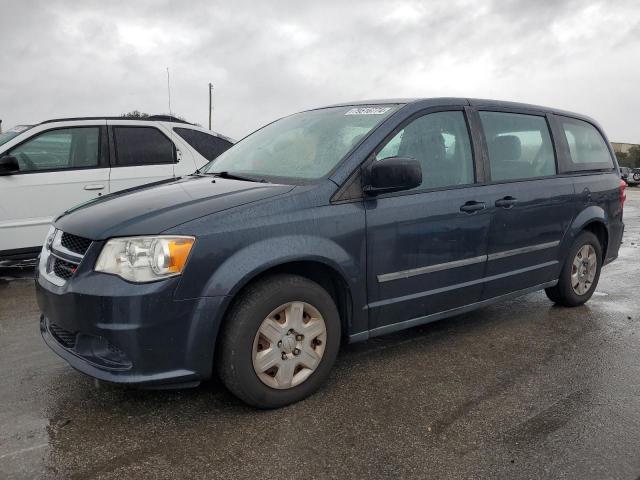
(329, 225)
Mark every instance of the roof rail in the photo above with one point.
(167, 118)
(156, 118)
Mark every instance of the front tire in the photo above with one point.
(580, 272)
(279, 341)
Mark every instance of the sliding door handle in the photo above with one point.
(94, 186)
(473, 206)
(506, 202)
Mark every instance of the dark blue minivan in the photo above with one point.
(339, 223)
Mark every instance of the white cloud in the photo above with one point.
(268, 59)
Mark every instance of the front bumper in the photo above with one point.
(126, 333)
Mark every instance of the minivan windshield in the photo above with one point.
(305, 146)
(13, 132)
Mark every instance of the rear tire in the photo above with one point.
(279, 341)
(579, 276)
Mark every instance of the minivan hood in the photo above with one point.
(152, 209)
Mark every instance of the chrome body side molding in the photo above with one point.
(519, 251)
(387, 277)
(455, 286)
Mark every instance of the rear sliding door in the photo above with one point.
(531, 206)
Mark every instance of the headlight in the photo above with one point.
(145, 259)
(48, 240)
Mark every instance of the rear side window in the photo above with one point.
(142, 146)
(519, 146)
(209, 146)
(587, 148)
(60, 149)
(440, 142)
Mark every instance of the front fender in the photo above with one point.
(238, 269)
(242, 266)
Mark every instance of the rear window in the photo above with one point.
(209, 146)
(142, 146)
(587, 149)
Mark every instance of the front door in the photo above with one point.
(426, 248)
(59, 168)
(531, 207)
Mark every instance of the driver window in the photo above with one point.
(440, 142)
(59, 149)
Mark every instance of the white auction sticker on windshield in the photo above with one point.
(368, 111)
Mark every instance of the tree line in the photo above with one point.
(630, 158)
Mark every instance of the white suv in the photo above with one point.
(47, 168)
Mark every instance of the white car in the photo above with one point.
(48, 168)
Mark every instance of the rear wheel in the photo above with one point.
(280, 341)
(580, 272)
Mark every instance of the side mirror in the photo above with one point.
(9, 165)
(393, 174)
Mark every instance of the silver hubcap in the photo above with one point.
(289, 345)
(583, 269)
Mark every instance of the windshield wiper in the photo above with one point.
(235, 176)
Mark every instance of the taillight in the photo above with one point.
(623, 193)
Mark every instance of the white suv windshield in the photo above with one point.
(304, 146)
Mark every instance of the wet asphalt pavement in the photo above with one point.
(518, 390)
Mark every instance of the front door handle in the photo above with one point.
(472, 206)
(506, 202)
(94, 186)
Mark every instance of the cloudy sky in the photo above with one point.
(268, 59)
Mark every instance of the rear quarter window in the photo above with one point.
(209, 146)
(587, 149)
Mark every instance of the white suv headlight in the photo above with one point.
(145, 259)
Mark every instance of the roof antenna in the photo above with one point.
(178, 153)
(210, 102)
(169, 91)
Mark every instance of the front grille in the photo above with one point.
(65, 337)
(61, 256)
(75, 244)
(63, 269)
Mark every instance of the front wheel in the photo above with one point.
(580, 272)
(279, 341)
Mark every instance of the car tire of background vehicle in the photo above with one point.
(636, 177)
(578, 267)
(255, 311)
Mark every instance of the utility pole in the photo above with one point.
(210, 102)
